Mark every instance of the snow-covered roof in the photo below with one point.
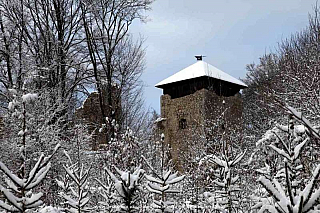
(200, 69)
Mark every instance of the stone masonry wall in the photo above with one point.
(90, 114)
(177, 132)
(223, 116)
(202, 111)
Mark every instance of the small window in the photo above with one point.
(182, 123)
(222, 126)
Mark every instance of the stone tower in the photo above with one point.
(195, 101)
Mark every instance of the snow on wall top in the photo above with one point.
(200, 69)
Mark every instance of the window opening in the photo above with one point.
(182, 123)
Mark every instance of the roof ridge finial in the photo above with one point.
(199, 57)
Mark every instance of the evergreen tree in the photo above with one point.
(127, 187)
(18, 192)
(224, 199)
(289, 188)
(76, 193)
(74, 184)
(162, 184)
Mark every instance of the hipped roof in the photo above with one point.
(200, 69)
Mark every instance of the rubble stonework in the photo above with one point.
(188, 107)
(202, 107)
(90, 114)
(190, 119)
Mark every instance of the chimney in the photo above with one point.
(199, 57)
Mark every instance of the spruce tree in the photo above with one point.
(19, 187)
(290, 190)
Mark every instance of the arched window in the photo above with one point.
(182, 123)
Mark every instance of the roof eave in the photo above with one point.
(161, 86)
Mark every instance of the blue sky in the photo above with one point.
(230, 33)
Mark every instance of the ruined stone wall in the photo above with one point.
(90, 114)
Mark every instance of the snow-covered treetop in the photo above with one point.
(19, 192)
(29, 97)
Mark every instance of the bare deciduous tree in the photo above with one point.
(116, 61)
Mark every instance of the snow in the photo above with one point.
(11, 185)
(11, 197)
(298, 149)
(10, 106)
(153, 190)
(268, 208)
(200, 69)
(299, 116)
(75, 193)
(265, 170)
(29, 97)
(306, 193)
(299, 129)
(50, 209)
(162, 185)
(152, 179)
(234, 179)
(218, 183)
(160, 119)
(238, 158)
(41, 174)
(7, 207)
(127, 184)
(20, 133)
(17, 185)
(162, 137)
(306, 198)
(34, 200)
(218, 161)
(250, 160)
(166, 175)
(10, 175)
(56, 148)
(67, 155)
(156, 187)
(312, 201)
(281, 188)
(176, 180)
(268, 185)
(13, 91)
(269, 135)
(279, 151)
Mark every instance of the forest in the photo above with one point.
(58, 156)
